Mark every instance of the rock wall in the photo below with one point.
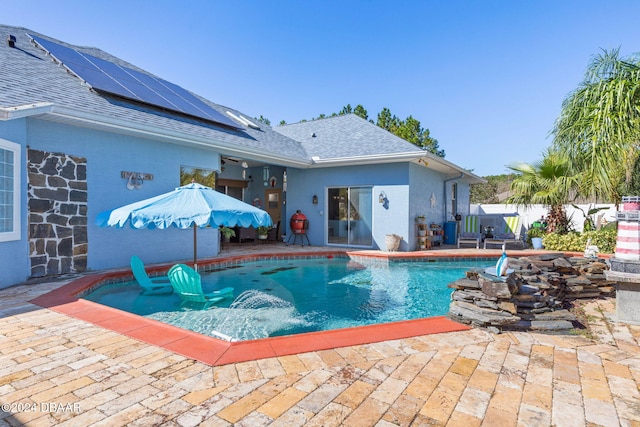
(57, 213)
(534, 296)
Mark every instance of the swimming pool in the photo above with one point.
(284, 297)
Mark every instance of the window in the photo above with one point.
(231, 187)
(202, 176)
(9, 191)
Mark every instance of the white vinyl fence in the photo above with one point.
(535, 212)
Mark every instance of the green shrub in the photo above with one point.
(604, 239)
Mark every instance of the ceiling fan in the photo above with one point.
(224, 160)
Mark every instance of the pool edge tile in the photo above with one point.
(203, 348)
(244, 351)
(215, 352)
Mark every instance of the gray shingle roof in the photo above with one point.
(346, 136)
(28, 75)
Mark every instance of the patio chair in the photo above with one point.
(511, 233)
(471, 231)
(187, 283)
(150, 286)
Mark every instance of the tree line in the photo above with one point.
(409, 129)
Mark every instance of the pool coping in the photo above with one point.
(215, 352)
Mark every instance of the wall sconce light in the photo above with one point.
(265, 175)
(314, 199)
(382, 199)
(135, 179)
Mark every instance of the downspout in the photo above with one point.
(444, 195)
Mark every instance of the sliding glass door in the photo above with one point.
(349, 216)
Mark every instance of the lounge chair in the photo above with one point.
(150, 286)
(511, 233)
(187, 283)
(471, 231)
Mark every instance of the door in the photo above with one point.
(273, 203)
(350, 212)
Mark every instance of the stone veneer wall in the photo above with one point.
(57, 213)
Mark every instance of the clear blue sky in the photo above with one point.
(487, 78)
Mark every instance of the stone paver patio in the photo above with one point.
(57, 370)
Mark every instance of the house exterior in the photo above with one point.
(384, 180)
(73, 144)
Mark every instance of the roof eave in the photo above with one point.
(50, 111)
(366, 160)
(423, 158)
(445, 166)
(26, 110)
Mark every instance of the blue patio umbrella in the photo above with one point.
(192, 205)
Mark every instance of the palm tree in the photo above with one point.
(599, 125)
(549, 182)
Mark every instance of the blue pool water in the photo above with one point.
(284, 297)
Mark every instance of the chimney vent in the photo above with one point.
(11, 40)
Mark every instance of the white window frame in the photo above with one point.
(15, 148)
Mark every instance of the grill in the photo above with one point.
(299, 226)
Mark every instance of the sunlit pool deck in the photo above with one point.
(115, 368)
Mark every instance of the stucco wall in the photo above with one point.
(109, 154)
(426, 198)
(431, 196)
(393, 179)
(426, 194)
(409, 189)
(14, 255)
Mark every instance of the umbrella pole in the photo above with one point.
(195, 248)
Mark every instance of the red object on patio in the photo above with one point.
(299, 223)
(299, 226)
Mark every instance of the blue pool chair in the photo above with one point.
(187, 283)
(155, 286)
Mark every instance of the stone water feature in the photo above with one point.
(625, 265)
(534, 296)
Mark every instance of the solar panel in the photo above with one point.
(106, 76)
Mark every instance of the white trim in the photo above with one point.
(11, 113)
(8, 236)
(368, 159)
